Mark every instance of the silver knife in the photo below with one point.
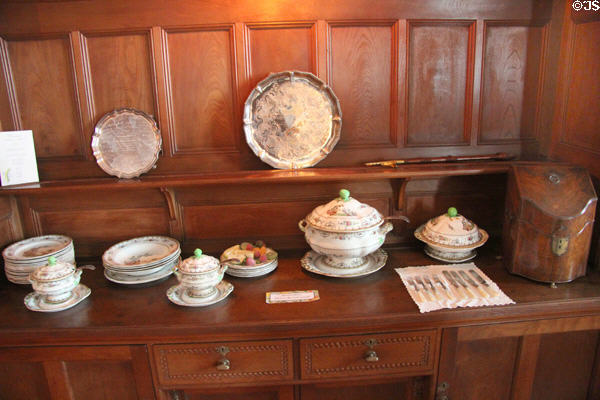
(471, 282)
(486, 285)
(453, 283)
(446, 290)
(428, 281)
(462, 283)
(425, 290)
(414, 285)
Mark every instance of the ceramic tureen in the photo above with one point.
(200, 274)
(345, 231)
(56, 280)
(451, 237)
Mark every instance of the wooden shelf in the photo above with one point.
(307, 175)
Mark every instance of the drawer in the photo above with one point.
(233, 362)
(409, 353)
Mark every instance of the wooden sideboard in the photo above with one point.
(128, 343)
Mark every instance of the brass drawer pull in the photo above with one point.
(370, 355)
(223, 364)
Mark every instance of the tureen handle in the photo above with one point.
(402, 217)
(302, 225)
(385, 228)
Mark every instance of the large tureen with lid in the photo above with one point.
(451, 237)
(345, 231)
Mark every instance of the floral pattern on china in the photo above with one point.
(451, 237)
(344, 214)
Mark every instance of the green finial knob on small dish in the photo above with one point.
(197, 253)
(452, 212)
(51, 260)
(344, 194)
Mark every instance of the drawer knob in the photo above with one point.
(223, 364)
(370, 355)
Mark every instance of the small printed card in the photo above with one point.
(17, 158)
(295, 296)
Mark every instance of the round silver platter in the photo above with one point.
(292, 120)
(126, 143)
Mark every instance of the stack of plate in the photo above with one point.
(23, 257)
(141, 260)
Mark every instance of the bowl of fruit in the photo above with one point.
(248, 260)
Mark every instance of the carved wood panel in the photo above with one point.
(45, 93)
(92, 372)
(280, 47)
(201, 65)
(440, 65)
(511, 78)
(121, 72)
(363, 74)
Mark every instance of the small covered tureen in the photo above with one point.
(56, 280)
(451, 237)
(200, 274)
(345, 231)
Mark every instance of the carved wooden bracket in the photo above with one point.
(176, 228)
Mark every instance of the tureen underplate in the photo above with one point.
(126, 279)
(176, 295)
(316, 263)
(242, 271)
(435, 254)
(35, 301)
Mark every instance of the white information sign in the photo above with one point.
(17, 158)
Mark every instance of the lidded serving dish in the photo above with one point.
(200, 274)
(56, 280)
(345, 231)
(451, 237)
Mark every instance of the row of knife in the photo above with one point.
(453, 286)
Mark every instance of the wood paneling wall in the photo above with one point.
(426, 78)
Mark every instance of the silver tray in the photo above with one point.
(126, 143)
(292, 120)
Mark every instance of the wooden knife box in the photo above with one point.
(548, 221)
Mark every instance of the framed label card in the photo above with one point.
(17, 158)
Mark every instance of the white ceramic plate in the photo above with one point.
(36, 248)
(315, 263)
(35, 301)
(175, 294)
(251, 272)
(142, 251)
(126, 279)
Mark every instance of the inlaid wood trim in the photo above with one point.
(209, 350)
(310, 347)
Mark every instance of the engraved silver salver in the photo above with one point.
(126, 143)
(292, 120)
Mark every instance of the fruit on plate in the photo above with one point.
(249, 254)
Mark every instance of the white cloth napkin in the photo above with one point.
(419, 281)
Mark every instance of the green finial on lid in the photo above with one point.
(344, 194)
(197, 253)
(452, 212)
(51, 260)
